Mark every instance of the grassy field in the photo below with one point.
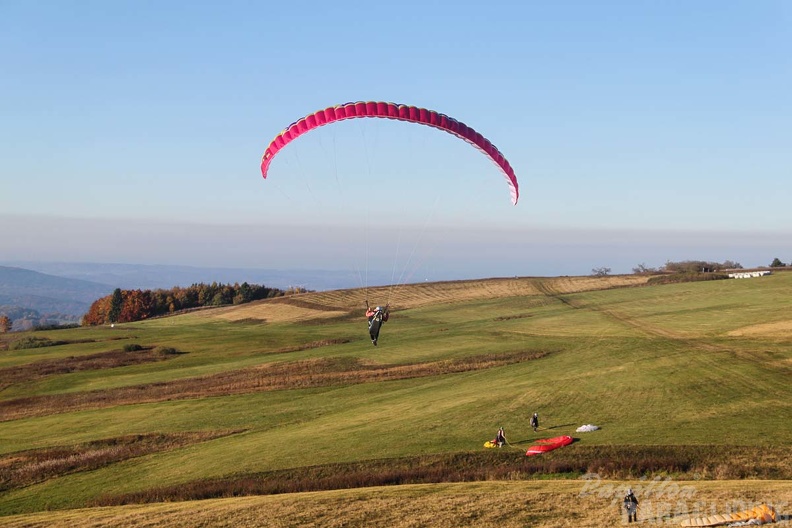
(689, 382)
(505, 504)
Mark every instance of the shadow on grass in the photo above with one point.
(556, 427)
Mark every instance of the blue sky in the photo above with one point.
(640, 132)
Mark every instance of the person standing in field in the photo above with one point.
(535, 421)
(631, 505)
(500, 438)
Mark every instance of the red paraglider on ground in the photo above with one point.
(398, 112)
(549, 444)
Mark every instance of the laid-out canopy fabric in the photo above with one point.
(545, 445)
(587, 428)
(761, 514)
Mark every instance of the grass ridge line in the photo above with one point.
(684, 462)
(291, 375)
(24, 468)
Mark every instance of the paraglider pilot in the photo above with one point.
(500, 438)
(376, 317)
(631, 505)
(535, 421)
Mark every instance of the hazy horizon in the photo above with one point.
(406, 255)
(638, 132)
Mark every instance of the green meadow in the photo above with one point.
(688, 368)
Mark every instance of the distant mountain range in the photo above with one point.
(32, 298)
(62, 292)
(151, 277)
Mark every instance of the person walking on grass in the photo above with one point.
(631, 505)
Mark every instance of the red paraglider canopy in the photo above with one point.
(398, 112)
(549, 444)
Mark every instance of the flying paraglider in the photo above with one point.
(398, 112)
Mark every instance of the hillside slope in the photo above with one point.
(321, 305)
(290, 395)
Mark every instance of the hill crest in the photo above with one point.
(337, 303)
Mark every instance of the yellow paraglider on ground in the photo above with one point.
(761, 514)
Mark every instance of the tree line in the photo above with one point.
(21, 319)
(680, 267)
(124, 306)
(690, 266)
(695, 266)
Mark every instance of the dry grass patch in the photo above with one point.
(102, 360)
(567, 504)
(271, 377)
(341, 303)
(24, 468)
(310, 346)
(510, 317)
(776, 329)
(641, 463)
(278, 310)
(28, 341)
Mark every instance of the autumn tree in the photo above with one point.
(116, 304)
(243, 294)
(5, 324)
(137, 305)
(97, 313)
(142, 304)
